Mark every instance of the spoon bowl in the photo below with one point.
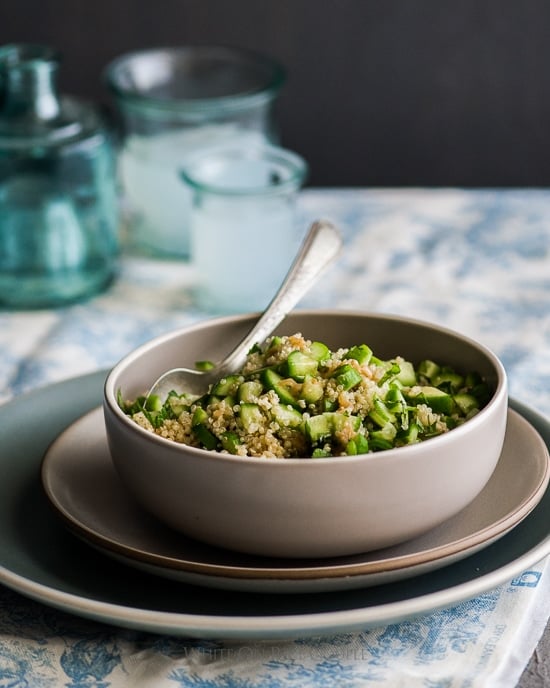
(321, 245)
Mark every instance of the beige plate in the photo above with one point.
(81, 484)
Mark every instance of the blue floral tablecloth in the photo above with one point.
(477, 261)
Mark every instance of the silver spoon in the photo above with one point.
(321, 245)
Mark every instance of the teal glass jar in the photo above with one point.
(58, 205)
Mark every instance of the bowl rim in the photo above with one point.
(439, 441)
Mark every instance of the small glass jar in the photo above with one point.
(58, 206)
(172, 103)
(244, 224)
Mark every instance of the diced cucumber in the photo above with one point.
(341, 421)
(381, 444)
(362, 444)
(406, 375)
(251, 416)
(328, 405)
(270, 378)
(207, 400)
(199, 425)
(381, 414)
(286, 416)
(250, 390)
(177, 408)
(383, 438)
(230, 442)
(351, 448)
(200, 417)
(153, 403)
(204, 365)
(388, 432)
(327, 425)
(347, 376)
(427, 369)
(312, 389)
(298, 365)
(284, 388)
(319, 453)
(358, 445)
(318, 428)
(205, 436)
(227, 386)
(466, 403)
(438, 400)
(394, 400)
(451, 422)
(409, 435)
(448, 381)
(319, 351)
(361, 353)
(274, 344)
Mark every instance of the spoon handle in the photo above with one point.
(321, 245)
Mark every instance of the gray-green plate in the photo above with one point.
(42, 559)
(81, 482)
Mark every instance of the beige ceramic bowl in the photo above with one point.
(299, 507)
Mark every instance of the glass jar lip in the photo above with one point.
(121, 77)
(74, 120)
(296, 167)
(79, 122)
(21, 54)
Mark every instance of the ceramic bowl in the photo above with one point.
(299, 507)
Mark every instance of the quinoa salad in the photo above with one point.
(295, 398)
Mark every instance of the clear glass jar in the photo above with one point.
(172, 103)
(244, 224)
(58, 206)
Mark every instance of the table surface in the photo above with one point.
(477, 261)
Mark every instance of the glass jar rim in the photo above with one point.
(21, 54)
(120, 77)
(295, 165)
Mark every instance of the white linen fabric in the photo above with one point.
(476, 261)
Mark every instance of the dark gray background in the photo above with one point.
(380, 92)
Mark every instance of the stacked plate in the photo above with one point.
(126, 568)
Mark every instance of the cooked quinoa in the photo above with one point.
(296, 398)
